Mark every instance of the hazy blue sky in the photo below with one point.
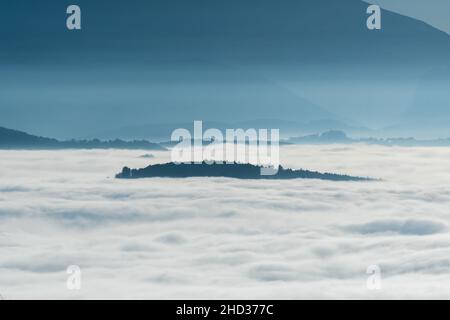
(434, 12)
(155, 62)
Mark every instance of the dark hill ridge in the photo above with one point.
(13, 139)
(340, 137)
(235, 170)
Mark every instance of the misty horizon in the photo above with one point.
(148, 71)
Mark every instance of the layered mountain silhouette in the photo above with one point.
(13, 139)
(234, 170)
(429, 113)
(162, 132)
(340, 137)
(175, 61)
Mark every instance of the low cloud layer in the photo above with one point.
(225, 238)
(405, 227)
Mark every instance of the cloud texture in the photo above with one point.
(225, 238)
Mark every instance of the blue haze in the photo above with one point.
(155, 62)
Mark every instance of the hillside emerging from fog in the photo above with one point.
(13, 139)
(226, 170)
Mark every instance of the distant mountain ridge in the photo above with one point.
(162, 132)
(13, 139)
(340, 137)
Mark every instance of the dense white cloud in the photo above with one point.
(226, 238)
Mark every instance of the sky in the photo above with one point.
(155, 62)
(434, 12)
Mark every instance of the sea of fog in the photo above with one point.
(226, 238)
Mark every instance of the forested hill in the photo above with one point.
(234, 170)
(13, 139)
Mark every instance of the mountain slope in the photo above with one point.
(252, 31)
(13, 139)
(167, 61)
